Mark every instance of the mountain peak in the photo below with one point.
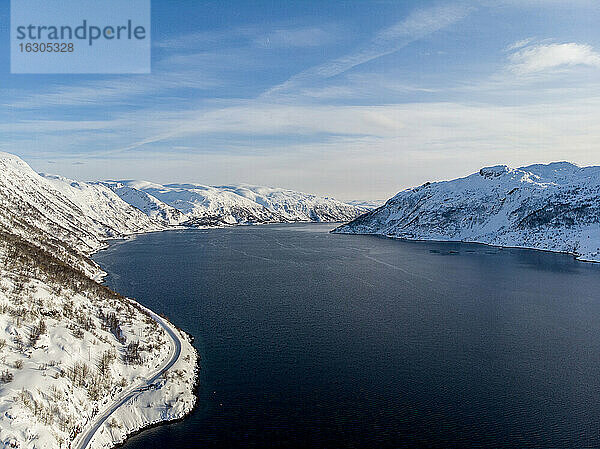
(494, 171)
(554, 171)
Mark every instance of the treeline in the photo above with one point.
(35, 262)
(16, 218)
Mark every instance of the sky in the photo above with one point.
(351, 99)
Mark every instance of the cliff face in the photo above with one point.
(551, 207)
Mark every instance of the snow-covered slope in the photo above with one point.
(151, 206)
(69, 347)
(33, 209)
(103, 207)
(226, 205)
(50, 211)
(551, 207)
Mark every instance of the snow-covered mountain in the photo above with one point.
(366, 205)
(227, 205)
(79, 213)
(551, 207)
(99, 203)
(67, 218)
(85, 213)
(70, 347)
(146, 203)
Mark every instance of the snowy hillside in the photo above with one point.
(551, 207)
(50, 211)
(366, 205)
(226, 205)
(104, 207)
(70, 348)
(148, 204)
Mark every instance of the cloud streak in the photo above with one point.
(393, 141)
(416, 26)
(113, 90)
(282, 36)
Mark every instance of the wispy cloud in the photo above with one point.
(360, 87)
(417, 25)
(274, 36)
(393, 141)
(447, 126)
(196, 61)
(57, 126)
(111, 91)
(298, 37)
(536, 58)
(519, 44)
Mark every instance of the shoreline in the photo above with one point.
(195, 391)
(100, 279)
(153, 425)
(139, 424)
(575, 256)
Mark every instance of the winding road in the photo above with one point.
(83, 439)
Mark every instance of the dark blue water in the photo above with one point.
(327, 341)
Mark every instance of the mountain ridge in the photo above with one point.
(553, 207)
(205, 205)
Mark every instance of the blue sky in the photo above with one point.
(353, 99)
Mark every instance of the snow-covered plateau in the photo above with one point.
(81, 366)
(553, 207)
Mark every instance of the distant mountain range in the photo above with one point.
(68, 219)
(550, 207)
(201, 205)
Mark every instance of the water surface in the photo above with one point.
(315, 340)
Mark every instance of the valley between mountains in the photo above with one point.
(83, 367)
(80, 365)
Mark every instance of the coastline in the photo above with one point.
(134, 426)
(139, 427)
(576, 256)
(136, 423)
